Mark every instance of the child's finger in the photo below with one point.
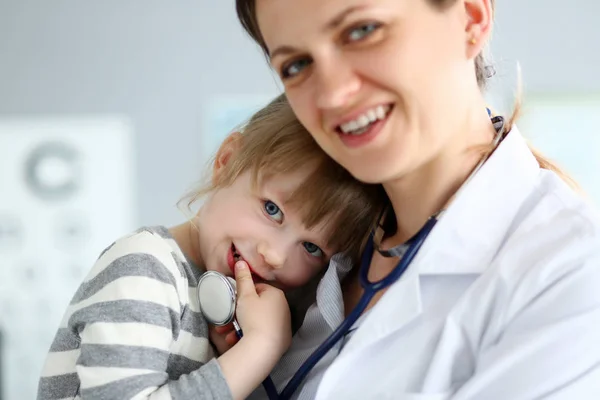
(262, 287)
(231, 338)
(224, 329)
(243, 279)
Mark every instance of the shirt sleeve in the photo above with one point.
(127, 315)
(550, 348)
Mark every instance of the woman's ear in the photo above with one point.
(480, 16)
(228, 148)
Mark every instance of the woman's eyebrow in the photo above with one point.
(281, 51)
(341, 17)
(331, 25)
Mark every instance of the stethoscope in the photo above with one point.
(217, 294)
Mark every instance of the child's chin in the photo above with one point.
(279, 285)
(224, 271)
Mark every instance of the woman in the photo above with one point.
(502, 301)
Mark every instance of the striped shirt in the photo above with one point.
(134, 329)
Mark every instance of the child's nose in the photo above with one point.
(273, 256)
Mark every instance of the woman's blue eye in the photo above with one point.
(273, 211)
(313, 249)
(294, 68)
(362, 31)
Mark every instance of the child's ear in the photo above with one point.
(229, 146)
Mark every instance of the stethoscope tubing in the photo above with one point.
(370, 289)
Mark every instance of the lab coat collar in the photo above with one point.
(474, 225)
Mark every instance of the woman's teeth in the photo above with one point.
(362, 123)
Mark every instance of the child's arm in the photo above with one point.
(127, 314)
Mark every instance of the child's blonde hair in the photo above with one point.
(275, 142)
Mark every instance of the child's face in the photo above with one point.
(254, 225)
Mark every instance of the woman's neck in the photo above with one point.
(427, 190)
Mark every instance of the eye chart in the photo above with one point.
(66, 192)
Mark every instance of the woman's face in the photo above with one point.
(378, 83)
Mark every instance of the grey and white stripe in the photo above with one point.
(134, 329)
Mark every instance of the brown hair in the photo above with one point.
(275, 142)
(246, 11)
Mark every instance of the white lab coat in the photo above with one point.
(501, 303)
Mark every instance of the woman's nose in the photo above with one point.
(336, 83)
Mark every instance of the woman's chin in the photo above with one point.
(375, 172)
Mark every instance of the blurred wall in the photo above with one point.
(160, 61)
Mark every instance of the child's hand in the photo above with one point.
(223, 337)
(263, 313)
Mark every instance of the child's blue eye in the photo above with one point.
(273, 211)
(313, 249)
(362, 31)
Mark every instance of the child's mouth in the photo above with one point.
(238, 257)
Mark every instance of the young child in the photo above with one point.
(276, 210)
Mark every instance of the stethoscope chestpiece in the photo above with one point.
(217, 297)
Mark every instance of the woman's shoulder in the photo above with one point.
(553, 245)
(557, 216)
(546, 272)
